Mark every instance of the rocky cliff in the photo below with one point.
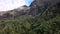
(38, 5)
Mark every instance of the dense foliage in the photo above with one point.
(46, 22)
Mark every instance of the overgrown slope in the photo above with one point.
(47, 21)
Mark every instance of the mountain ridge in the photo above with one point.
(33, 9)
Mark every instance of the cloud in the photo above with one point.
(11, 4)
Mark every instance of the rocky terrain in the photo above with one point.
(34, 9)
(38, 5)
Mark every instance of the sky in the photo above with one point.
(28, 2)
(12, 4)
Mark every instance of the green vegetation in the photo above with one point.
(46, 22)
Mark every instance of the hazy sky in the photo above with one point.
(12, 4)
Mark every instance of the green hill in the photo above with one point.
(47, 21)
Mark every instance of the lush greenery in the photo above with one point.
(46, 22)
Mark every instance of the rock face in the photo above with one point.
(41, 4)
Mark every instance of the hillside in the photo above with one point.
(33, 19)
(15, 12)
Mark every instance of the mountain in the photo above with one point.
(15, 12)
(35, 19)
(36, 7)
